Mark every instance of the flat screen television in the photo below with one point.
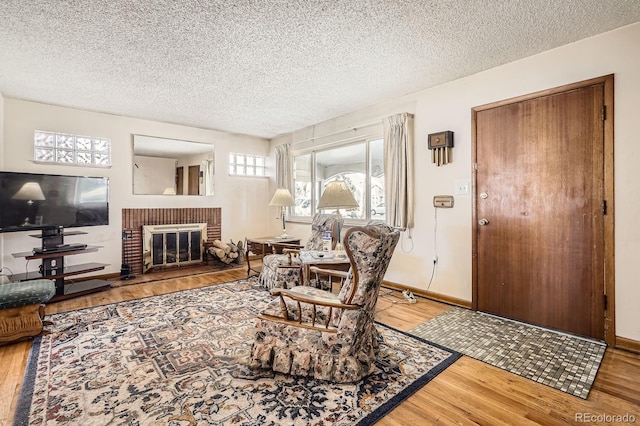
(31, 201)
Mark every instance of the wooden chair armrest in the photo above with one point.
(330, 272)
(290, 250)
(291, 253)
(289, 266)
(314, 300)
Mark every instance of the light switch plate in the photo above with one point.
(463, 187)
(443, 201)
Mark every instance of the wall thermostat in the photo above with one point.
(443, 201)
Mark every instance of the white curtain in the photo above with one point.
(208, 180)
(398, 169)
(284, 166)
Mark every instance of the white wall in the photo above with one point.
(448, 107)
(152, 175)
(243, 200)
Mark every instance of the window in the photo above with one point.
(246, 165)
(359, 164)
(63, 148)
(302, 185)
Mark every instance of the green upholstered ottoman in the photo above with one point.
(22, 308)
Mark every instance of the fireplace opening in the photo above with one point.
(172, 245)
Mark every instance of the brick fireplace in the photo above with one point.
(134, 219)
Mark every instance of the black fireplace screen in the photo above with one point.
(176, 247)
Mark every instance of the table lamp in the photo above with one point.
(337, 195)
(282, 198)
(30, 191)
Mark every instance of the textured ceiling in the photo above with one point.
(267, 67)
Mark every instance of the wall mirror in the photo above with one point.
(164, 166)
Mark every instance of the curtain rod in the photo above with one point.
(347, 129)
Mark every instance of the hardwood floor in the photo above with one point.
(469, 392)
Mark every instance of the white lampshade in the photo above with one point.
(30, 191)
(282, 197)
(337, 195)
(169, 191)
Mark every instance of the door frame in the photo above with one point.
(609, 246)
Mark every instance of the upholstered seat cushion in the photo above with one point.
(13, 295)
(274, 308)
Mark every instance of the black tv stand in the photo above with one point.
(52, 253)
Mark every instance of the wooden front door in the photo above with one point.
(539, 219)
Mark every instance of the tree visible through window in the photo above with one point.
(359, 164)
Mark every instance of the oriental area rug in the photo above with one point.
(561, 361)
(181, 359)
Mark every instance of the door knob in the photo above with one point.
(483, 222)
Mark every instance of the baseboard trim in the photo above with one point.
(628, 344)
(115, 276)
(429, 295)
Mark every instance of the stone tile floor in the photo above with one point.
(565, 362)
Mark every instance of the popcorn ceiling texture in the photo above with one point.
(267, 67)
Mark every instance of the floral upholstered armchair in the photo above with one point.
(307, 331)
(282, 270)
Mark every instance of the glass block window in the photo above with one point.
(247, 165)
(63, 148)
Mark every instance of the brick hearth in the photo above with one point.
(134, 219)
